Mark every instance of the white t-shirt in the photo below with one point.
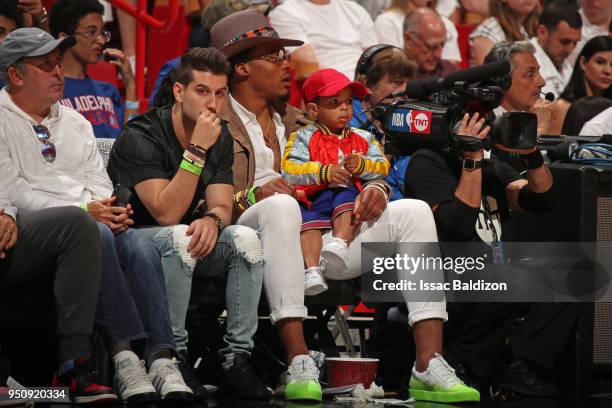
(446, 8)
(264, 156)
(389, 28)
(555, 80)
(599, 125)
(338, 31)
(589, 31)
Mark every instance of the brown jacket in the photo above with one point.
(244, 158)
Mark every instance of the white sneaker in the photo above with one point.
(301, 380)
(439, 383)
(131, 381)
(168, 381)
(334, 253)
(314, 281)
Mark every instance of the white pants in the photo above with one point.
(277, 220)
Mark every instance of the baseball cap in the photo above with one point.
(328, 82)
(29, 42)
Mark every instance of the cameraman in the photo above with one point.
(471, 198)
(523, 85)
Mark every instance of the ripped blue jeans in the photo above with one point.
(239, 250)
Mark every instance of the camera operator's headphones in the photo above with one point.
(364, 60)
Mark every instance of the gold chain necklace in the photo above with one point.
(268, 126)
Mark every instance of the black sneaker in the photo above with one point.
(191, 380)
(525, 379)
(83, 385)
(242, 382)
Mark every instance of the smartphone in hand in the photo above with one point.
(123, 195)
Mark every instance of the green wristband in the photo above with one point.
(84, 207)
(192, 168)
(251, 195)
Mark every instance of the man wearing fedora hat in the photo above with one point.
(260, 122)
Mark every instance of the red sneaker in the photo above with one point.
(83, 384)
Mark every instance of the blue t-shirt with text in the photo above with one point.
(100, 103)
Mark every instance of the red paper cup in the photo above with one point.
(347, 371)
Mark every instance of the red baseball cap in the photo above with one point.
(328, 82)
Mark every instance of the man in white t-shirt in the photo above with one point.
(558, 33)
(334, 32)
(599, 125)
(596, 18)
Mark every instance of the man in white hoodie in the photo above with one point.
(48, 158)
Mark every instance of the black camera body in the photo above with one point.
(430, 113)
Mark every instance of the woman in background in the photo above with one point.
(592, 76)
(511, 20)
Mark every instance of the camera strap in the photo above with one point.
(497, 246)
(470, 144)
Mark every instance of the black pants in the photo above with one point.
(477, 332)
(542, 336)
(63, 242)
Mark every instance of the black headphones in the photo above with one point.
(364, 60)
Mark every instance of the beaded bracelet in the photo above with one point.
(379, 188)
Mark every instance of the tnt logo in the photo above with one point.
(420, 121)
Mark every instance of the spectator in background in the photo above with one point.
(100, 102)
(592, 76)
(599, 125)
(334, 32)
(424, 39)
(213, 12)
(511, 20)
(10, 17)
(558, 33)
(373, 7)
(581, 111)
(383, 70)
(390, 27)
(596, 20)
(450, 9)
(34, 14)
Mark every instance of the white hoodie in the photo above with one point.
(77, 175)
(5, 204)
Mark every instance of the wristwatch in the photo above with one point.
(471, 164)
(216, 219)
